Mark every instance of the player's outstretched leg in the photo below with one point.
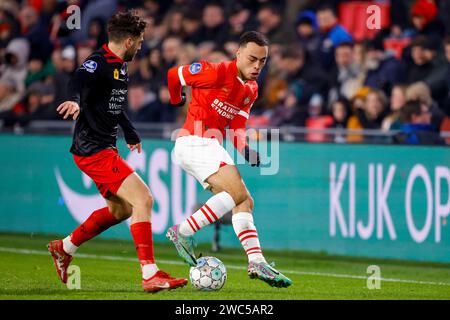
(245, 229)
(182, 235)
(258, 268)
(183, 243)
(267, 273)
(134, 190)
(62, 251)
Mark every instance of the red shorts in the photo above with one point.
(106, 168)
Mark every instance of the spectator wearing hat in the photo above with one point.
(424, 17)
(383, 69)
(307, 31)
(428, 66)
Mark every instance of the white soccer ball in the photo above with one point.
(210, 274)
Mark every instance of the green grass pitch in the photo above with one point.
(109, 270)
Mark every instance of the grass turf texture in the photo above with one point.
(109, 270)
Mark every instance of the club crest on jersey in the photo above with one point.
(247, 100)
(116, 74)
(90, 65)
(195, 68)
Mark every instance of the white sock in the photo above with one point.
(214, 209)
(149, 270)
(246, 232)
(68, 246)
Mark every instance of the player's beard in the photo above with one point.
(129, 54)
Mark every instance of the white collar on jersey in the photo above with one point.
(240, 80)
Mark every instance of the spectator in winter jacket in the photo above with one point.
(428, 66)
(332, 34)
(384, 70)
(307, 31)
(424, 17)
(417, 128)
(271, 23)
(346, 77)
(419, 91)
(300, 68)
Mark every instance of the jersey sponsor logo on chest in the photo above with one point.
(225, 109)
(116, 101)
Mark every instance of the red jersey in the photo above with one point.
(220, 99)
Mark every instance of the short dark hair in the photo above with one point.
(125, 24)
(345, 44)
(409, 109)
(327, 7)
(419, 41)
(295, 51)
(253, 36)
(274, 9)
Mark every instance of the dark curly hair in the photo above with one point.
(253, 36)
(125, 24)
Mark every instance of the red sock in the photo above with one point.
(98, 221)
(143, 240)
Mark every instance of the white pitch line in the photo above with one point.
(173, 262)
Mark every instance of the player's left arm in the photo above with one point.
(239, 136)
(131, 136)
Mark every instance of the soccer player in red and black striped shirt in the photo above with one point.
(97, 96)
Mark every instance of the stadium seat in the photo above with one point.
(445, 127)
(396, 45)
(353, 16)
(258, 121)
(322, 122)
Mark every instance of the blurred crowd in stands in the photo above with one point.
(327, 67)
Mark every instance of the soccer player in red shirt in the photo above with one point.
(222, 96)
(97, 95)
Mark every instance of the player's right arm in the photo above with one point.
(201, 74)
(80, 83)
